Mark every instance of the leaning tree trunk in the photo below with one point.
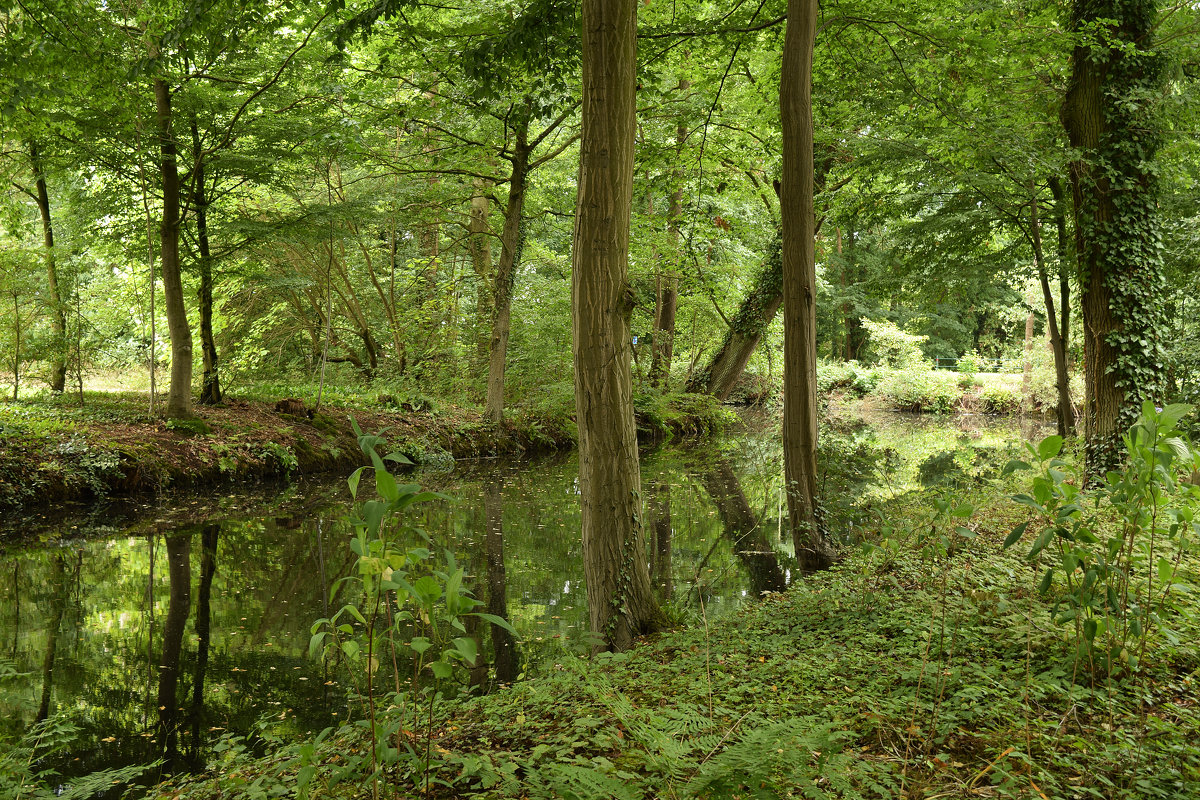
(1115, 199)
(813, 551)
(58, 315)
(480, 247)
(746, 330)
(210, 380)
(179, 397)
(621, 602)
(502, 286)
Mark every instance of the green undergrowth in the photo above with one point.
(924, 665)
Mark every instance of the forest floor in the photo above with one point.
(907, 671)
(55, 448)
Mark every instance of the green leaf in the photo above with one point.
(1165, 570)
(466, 648)
(1040, 543)
(1089, 629)
(353, 480)
(966, 532)
(1049, 447)
(1015, 535)
(441, 670)
(497, 621)
(1047, 579)
(420, 644)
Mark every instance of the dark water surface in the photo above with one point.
(155, 626)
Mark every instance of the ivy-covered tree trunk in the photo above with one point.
(502, 285)
(813, 551)
(746, 329)
(58, 314)
(1109, 118)
(621, 603)
(210, 380)
(179, 397)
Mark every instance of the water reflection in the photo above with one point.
(194, 619)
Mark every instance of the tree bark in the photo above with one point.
(481, 262)
(58, 314)
(621, 602)
(210, 380)
(502, 286)
(179, 397)
(1115, 206)
(813, 551)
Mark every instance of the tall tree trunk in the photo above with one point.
(179, 397)
(58, 314)
(621, 602)
(16, 365)
(1064, 266)
(511, 241)
(797, 212)
(210, 381)
(1064, 414)
(179, 573)
(1114, 194)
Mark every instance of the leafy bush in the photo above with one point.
(849, 377)
(893, 347)
(1000, 400)
(1114, 580)
(919, 388)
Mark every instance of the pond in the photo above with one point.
(159, 625)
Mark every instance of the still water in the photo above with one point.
(192, 614)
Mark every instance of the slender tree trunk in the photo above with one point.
(16, 346)
(58, 314)
(1064, 415)
(1027, 371)
(813, 551)
(511, 241)
(1064, 267)
(210, 381)
(179, 397)
(621, 602)
(179, 551)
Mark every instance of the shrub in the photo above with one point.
(1000, 400)
(892, 346)
(919, 388)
